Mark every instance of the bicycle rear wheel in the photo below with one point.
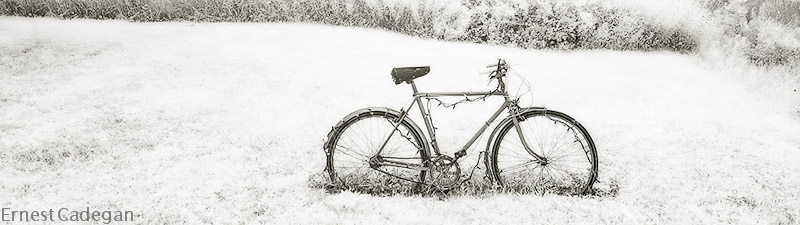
(571, 157)
(352, 147)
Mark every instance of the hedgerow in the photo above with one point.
(538, 25)
(756, 29)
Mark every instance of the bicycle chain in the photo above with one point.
(432, 184)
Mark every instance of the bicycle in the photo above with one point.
(531, 147)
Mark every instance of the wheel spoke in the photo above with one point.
(557, 145)
(351, 152)
(519, 166)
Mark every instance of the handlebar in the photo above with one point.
(499, 70)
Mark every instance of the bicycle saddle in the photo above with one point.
(408, 74)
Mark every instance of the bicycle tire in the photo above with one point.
(566, 171)
(355, 139)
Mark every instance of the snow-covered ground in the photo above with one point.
(224, 123)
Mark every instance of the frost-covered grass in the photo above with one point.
(224, 123)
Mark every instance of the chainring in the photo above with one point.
(444, 172)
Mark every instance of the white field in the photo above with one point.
(224, 123)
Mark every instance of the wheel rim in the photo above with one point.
(358, 142)
(570, 167)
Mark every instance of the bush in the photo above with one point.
(772, 43)
(569, 26)
(537, 25)
(765, 33)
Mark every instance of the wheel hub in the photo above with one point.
(543, 162)
(375, 161)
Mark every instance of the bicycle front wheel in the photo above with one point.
(570, 165)
(353, 161)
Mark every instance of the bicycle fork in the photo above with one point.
(541, 159)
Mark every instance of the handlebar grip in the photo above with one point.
(491, 65)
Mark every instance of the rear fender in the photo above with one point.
(371, 110)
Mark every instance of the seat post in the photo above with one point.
(413, 86)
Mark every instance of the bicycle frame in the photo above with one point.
(509, 104)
